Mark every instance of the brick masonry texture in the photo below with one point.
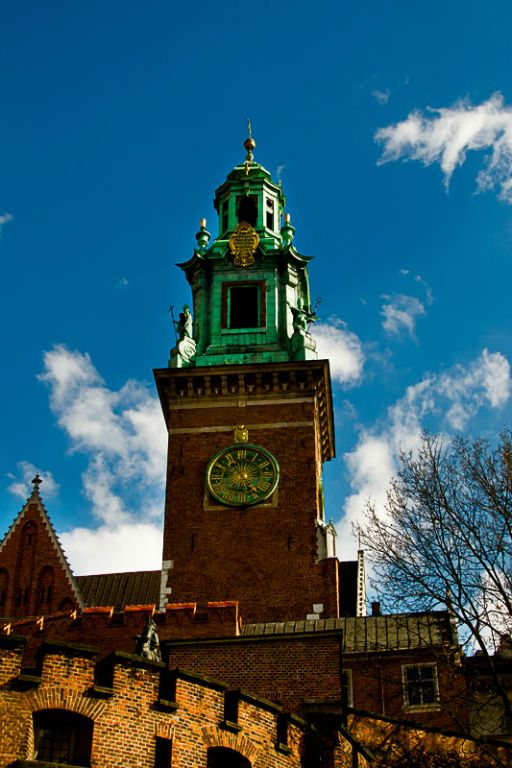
(36, 577)
(265, 556)
(128, 719)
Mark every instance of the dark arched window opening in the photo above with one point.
(247, 209)
(62, 737)
(28, 536)
(45, 589)
(223, 757)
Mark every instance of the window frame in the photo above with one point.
(406, 683)
(262, 308)
(346, 685)
(48, 729)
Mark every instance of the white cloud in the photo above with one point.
(452, 397)
(343, 349)
(110, 549)
(381, 97)
(400, 313)
(5, 218)
(429, 296)
(122, 435)
(449, 133)
(22, 486)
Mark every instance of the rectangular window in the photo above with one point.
(243, 305)
(269, 213)
(231, 699)
(346, 688)
(163, 753)
(62, 737)
(420, 685)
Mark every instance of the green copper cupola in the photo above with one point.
(250, 287)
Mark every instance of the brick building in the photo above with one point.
(264, 646)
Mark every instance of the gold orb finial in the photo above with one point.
(249, 144)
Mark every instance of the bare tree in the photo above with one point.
(445, 539)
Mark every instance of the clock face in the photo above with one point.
(242, 475)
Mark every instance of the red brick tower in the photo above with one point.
(248, 410)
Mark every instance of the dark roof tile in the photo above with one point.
(120, 589)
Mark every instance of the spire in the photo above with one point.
(36, 482)
(250, 285)
(249, 145)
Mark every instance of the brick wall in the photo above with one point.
(265, 556)
(377, 686)
(288, 669)
(129, 713)
(34, 576)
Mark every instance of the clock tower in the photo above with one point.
(248, 410)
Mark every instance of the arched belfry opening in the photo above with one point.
(247, 209)
(224, 757)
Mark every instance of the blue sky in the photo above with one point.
(390, 125)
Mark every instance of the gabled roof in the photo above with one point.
(34, 507)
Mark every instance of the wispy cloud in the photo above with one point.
(451, 398)
(400, 313)
(445, 136)
(381, 97)
(5, 218)
(21, 483)
(343, 348)
(122, 436)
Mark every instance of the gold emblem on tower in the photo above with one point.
(243, 243)
(241, 434)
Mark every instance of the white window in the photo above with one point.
(420, 685)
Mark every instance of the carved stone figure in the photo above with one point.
(148, 644)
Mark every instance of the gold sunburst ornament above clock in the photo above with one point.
(242, 475)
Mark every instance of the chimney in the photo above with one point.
(376, 609)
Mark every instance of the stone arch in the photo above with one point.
(213, 736)
(62, 698)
